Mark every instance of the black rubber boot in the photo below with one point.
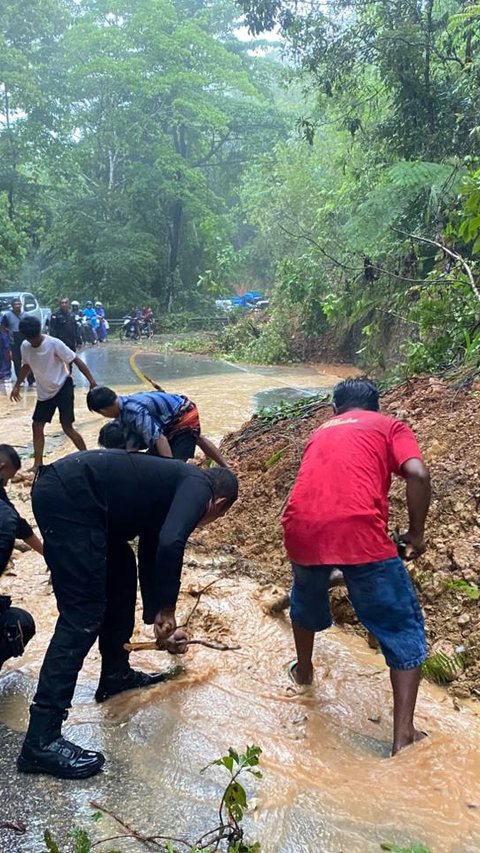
(45, 750)
(131, 679)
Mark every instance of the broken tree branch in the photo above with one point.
(172, 645)
(455, 255)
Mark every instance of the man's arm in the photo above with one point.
(35, 543)
(84, 369)
(8, 523)
(418, 501)
(211, 451)
(15, 396)
(163, 447)
(188, 507)
(23, 529)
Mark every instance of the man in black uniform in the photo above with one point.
(16, 625)
(63, 325)
(88, 506)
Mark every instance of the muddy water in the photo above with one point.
(328, 784)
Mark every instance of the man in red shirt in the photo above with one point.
(337, 517)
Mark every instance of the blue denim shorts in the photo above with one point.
(383, 598)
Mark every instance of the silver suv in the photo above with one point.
(29, 304)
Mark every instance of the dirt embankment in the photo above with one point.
(447, 424)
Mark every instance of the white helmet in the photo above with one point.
(74, 302)
(98, 304)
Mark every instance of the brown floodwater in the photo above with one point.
(329, 785)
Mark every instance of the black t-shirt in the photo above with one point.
(22, 528)
(131, 494)
(8, 527)
(64, 326)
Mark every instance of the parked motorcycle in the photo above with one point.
(130, 330)
(134, 328)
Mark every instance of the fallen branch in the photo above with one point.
(131, 832)
(450, 253)
(198, 596)
(172, 645)
(15, 825)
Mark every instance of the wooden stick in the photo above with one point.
(169, 645)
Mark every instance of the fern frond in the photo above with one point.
(442, 668)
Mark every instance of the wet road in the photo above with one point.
(328, 786)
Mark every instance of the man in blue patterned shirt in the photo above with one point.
(166, 424)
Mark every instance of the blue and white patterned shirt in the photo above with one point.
(147, 414)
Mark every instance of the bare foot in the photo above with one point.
(417, 736)
(302, 678)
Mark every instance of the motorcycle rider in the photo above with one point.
(102, 333)
(91, 322)
(78, 317)
(17, 626)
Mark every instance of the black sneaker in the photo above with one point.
(131, 679)
(60, 758)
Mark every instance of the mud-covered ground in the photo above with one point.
(447, 424)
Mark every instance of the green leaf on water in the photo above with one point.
(50, 843)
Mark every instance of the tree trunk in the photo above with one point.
(11, 183)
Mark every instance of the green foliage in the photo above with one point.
(275, 457)
(122, 147)
(298, 409)
(442, 668)
(232, 809)
(469, 590)
(234, 799)
(398, 848)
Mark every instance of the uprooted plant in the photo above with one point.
(226, 835)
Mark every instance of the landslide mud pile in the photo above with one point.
(446, 421)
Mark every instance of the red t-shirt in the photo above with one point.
(337, 512)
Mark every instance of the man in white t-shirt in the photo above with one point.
(50, 361)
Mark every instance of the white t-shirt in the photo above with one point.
(48, 363)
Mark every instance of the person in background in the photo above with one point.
(77, 315)
(337, 517)
(64, 326)
(91, 318)
(102, 332)
(50, 359)
(11, 319)
(5, 353)
(17, 626)
(166, 424)
(89, 506)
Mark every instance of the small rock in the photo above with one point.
(464, 619)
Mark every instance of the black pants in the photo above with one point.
(14, 622)
(94, 580)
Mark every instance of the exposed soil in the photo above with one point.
(447, 424)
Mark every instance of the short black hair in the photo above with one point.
(10, 454)
(30, 327)
(100, 398)
(358, 393)
(111, 436)
(224, 483)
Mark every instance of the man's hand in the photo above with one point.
(177, 647)
(15, 396)
(165, 624)
(414, 545)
